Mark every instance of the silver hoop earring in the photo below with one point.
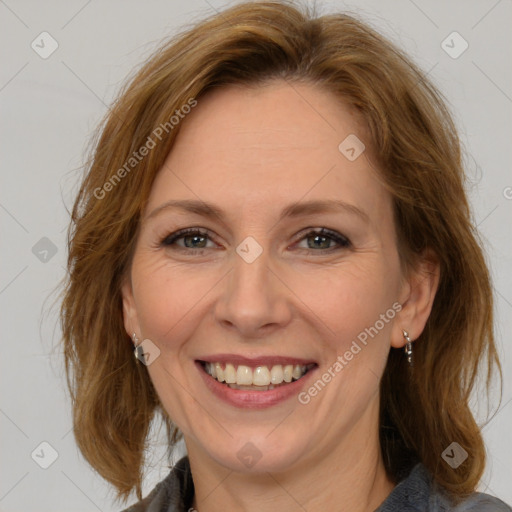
(138, 350)
(408, 347)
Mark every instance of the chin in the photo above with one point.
(258, 453)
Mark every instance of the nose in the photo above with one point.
(254, 301)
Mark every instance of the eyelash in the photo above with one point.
(169, 240)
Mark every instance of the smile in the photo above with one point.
(258, 378)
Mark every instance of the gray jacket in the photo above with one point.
(415, 493)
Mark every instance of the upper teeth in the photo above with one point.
(260, 376)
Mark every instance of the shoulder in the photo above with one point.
(481, 502)
(418, 492)
(475, 502)
(441, 501)
(173, 494)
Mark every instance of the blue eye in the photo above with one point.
(194, 238)
(322, 239)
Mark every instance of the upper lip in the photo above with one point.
(255, 361)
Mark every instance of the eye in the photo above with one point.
(193, 238)
(322, 239)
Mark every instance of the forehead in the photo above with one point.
(267, 144)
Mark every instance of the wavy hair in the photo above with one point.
(418, 156)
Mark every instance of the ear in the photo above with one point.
(417, 297)
(131, 322)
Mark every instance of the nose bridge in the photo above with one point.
(252, 297)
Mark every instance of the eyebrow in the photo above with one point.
(293, 210)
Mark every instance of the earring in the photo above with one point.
(138, 351)
(408, 347)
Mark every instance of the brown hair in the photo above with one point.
(418, 155)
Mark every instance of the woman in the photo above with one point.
(275, 218)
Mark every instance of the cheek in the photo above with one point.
(359, 311)
(349, 298)
(169, 298)
(163, 297)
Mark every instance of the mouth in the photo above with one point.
(255, 377)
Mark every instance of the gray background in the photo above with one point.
(50, 108)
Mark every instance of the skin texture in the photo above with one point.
(252, 151)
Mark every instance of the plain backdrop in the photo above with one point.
(50, 108)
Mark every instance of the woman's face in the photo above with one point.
(257, 290)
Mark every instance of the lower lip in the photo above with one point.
(253, 399)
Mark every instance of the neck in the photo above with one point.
(349, 476)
